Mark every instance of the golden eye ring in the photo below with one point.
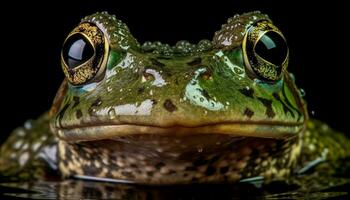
(265, 52)
(84, 54)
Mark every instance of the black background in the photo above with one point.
(32, 36)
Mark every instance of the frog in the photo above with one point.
(225, 110)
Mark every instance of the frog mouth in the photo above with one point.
(276, 130)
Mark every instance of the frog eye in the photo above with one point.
(265, 51)
(84, 54)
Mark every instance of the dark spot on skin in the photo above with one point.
(210, 171)
(67, 155)
(248, 92)
(288, 103)
(159, 165)
(286, 109)
(97, 102)
(214, 159)
(150, 174)
(78, 114)
(169, 106)
(176, 82)
(157, 63)
(268, 104)
(128, 174)
(224, 170)
(133, 166)
(172, 171)
(141, 90)
(204, 93)
(249, 113)
(199, 162)
(60, 116)
(154, 102)
(191, 168)
(76, 101)
(93, 106)
(195, 61)
(91, 170)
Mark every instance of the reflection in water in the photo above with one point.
(330, 188)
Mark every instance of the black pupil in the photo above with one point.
(272, 47)
(77, 50)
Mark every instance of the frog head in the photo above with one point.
(236, 84)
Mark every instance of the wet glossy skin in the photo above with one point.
(155, 114)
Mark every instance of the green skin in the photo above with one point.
(188, 92)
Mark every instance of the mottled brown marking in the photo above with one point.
(140, 90)
(215, 158)
(210, 171)
(154, 102)
(248, 92)
(249, 113)
(150, 174)
(268, 104)
(195, 61)
(286, 109)
(128, 174)
(76, 101)
(159, 165)
(190, 168)
(224, 170)
(61, 114)
(204, 93)
(78, 114)
(169, 106)
(200, 161)
(97, 102)
(93, 106)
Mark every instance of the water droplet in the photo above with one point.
(111, 113)
(313, 113)
(302, 92)
(292, 76)
(28, 124)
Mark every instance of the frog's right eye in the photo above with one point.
(84, 54)
(265, 52)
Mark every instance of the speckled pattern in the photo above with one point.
(155, 159)
(191, 113)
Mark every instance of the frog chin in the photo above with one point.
(242, 129)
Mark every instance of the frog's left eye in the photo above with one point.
(84, 54)
(265, 51)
